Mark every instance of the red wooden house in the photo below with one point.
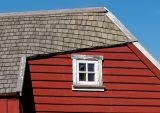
(79, 60)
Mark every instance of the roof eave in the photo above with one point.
(9, 95)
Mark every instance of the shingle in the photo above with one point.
(48, 32)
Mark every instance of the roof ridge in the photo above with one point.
(57, 11)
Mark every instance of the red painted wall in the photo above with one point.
(10, 105)
(131, 86)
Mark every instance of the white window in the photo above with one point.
(87, 73)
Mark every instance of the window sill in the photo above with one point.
(87, 88)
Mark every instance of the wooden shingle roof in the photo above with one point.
(44, 32)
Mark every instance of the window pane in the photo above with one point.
(82, 76)
(91, 77)
(82, 67)
(91, 67)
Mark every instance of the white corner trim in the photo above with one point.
(147, 54)
(120, 26)
(21, 74)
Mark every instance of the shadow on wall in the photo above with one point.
(27, 99)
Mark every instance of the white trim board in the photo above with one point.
(21, 75)
(147, 54)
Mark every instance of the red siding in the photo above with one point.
(130, 85)
(10, 105)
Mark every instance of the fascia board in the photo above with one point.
(147, 54)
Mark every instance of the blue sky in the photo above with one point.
(141, 17)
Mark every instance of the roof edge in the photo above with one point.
(58, 11)
(147, 54)
(110, 15)
(9, 94)
(74, 50)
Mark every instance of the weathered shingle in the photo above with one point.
(46, 32)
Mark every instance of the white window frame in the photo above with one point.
(95, 82)
(97, 85)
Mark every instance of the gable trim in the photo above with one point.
(146, 57)
(147, 54)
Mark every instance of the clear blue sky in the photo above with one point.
(141, 17)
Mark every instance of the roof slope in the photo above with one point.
(32, 33)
